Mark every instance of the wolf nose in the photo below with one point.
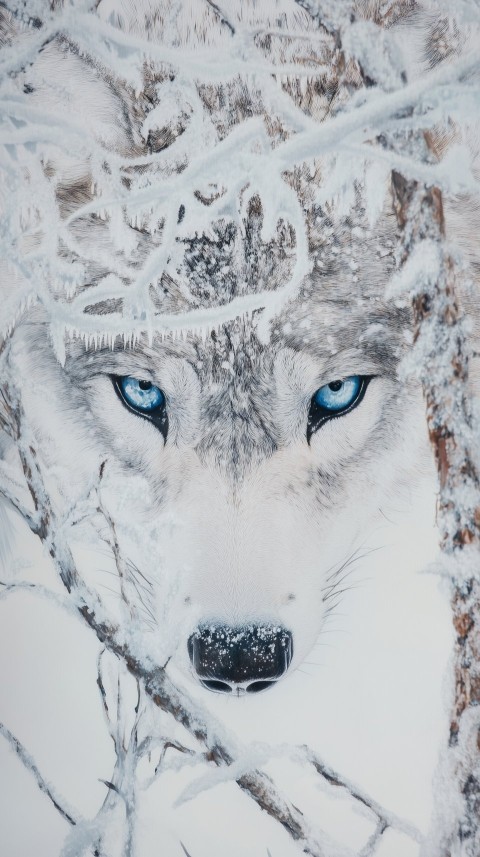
(242, 660)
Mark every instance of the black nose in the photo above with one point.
(247, 659)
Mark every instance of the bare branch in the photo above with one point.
(14, 587)
(385, 818)
(42, 784)
(175, 745)
(9, 495)
(222, 17)
(370, 846)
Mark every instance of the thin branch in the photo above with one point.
(385, 818)
(42, 784)
(221, 16)
(174, 745)
(369, 118)
(13, 500)
(14, 587)
(370, 846)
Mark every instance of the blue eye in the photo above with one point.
(338, 395)
(144, 398)
(334, 399)
(141, 395)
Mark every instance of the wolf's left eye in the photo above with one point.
(335, 399)
(144, 398)
(141, 395)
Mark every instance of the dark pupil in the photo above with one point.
(335, 386)
(144, 385)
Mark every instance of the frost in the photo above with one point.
(130, 194)
(420, 271)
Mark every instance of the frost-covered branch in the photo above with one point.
(176, 176)
(13, 588)
(370, 846)
(385, 819)
(28, 762)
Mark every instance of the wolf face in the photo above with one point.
(244, 478)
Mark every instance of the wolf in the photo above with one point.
(244, 475)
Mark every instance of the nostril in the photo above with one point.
(257, 686)
(217, 686)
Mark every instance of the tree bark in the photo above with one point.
(443, 355)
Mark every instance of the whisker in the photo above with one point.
(110, 590)
(355, 556)
(135, 570)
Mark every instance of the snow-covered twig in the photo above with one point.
(14, 587)
(370, 118)
(42, 784)
(370, 846)
(385, 818)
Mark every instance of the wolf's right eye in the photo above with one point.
(335, 399)
(143, 398)
(141, 395)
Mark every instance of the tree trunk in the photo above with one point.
(442, 353)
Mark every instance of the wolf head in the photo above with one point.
(244, 478)
(242, 474)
